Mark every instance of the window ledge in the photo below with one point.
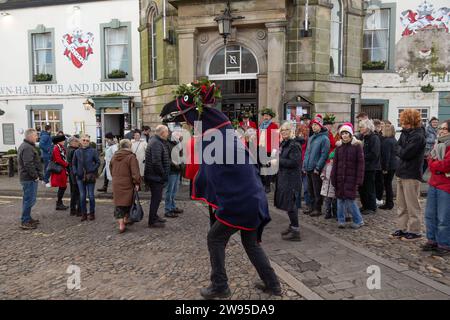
(117, 80)
(42, 82)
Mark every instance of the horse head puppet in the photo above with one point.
(233, 188)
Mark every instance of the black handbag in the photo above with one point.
(136, 212)
(54, 167)
(89, 177)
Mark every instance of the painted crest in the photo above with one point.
(426, 16)
(78, 47)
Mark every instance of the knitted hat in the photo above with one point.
(57, 139)
(318, 120)
(346, 127)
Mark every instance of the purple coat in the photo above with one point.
(348, 169)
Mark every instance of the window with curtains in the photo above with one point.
(152, 46)
(42, 57)
(40, 118)
(376, 40)
(117, 52)
(336, 35)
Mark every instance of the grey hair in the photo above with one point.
(287, 125)
(160, 129)
(30, 132)
(368, 124)
(125, 144)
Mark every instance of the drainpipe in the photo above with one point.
(164, 20)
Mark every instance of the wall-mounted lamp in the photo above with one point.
(224, 22)
(88, 104)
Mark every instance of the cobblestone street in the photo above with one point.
(173, 263)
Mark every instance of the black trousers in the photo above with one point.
(218, 237)
(387, 179)
(61, 192)
(74, 195)
(314, 188)
(157, 190)
(293, 218)
(367, 191)
(379, 184)
(105, 182)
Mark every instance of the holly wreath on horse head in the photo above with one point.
(232, 188)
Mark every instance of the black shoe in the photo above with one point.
(171, 215)
(285, 232)
(348, 219)
(292, 236)
(176, 210)
(73, 212)
(211, 293)
(162, 220)
(315, 213)
(367, 211)
(411, 237)
(157, 225)
(328, 214)
(441, 252)
(307, 210)
(102, 189)
(429, 246)
(397, 234)
(260, 285)
(28, 225)
(386, 207)
(35, 222)
(60, 206)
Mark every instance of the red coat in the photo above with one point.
(440, 181)
(59, 180)
(269, 132)
(191, 165)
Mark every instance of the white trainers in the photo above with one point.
(48, 185)
(380, 203)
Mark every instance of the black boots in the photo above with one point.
(291, 235)
(61, 206)
(272, 291)
(211, 293)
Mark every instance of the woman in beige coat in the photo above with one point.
(126, 180)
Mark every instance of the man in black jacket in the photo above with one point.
(411, 149)
(156, 173)
(30, 172)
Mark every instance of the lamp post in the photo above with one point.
(224, 22)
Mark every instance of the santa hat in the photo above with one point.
(346, 127)
(318, 120)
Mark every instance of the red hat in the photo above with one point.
(318, 120)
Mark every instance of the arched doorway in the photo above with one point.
(235, 68)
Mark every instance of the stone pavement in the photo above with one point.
(173, 263)
(170, 263)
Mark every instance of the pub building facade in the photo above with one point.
(74, 65)
(295, 56)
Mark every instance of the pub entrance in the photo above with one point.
(238, 97)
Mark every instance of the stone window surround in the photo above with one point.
(152, 18)
(342, 23)
(39, 30)
(115, 24)
(30, 108)
(392, 6)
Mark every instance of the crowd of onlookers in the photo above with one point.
(320, 166)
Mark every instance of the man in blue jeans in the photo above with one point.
(46, 146)
(175, 154)
(30, 172)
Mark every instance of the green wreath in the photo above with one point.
(197, 91)
(268, 111)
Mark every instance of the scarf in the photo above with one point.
(265, 124)
(62, 152)
(438, 151)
